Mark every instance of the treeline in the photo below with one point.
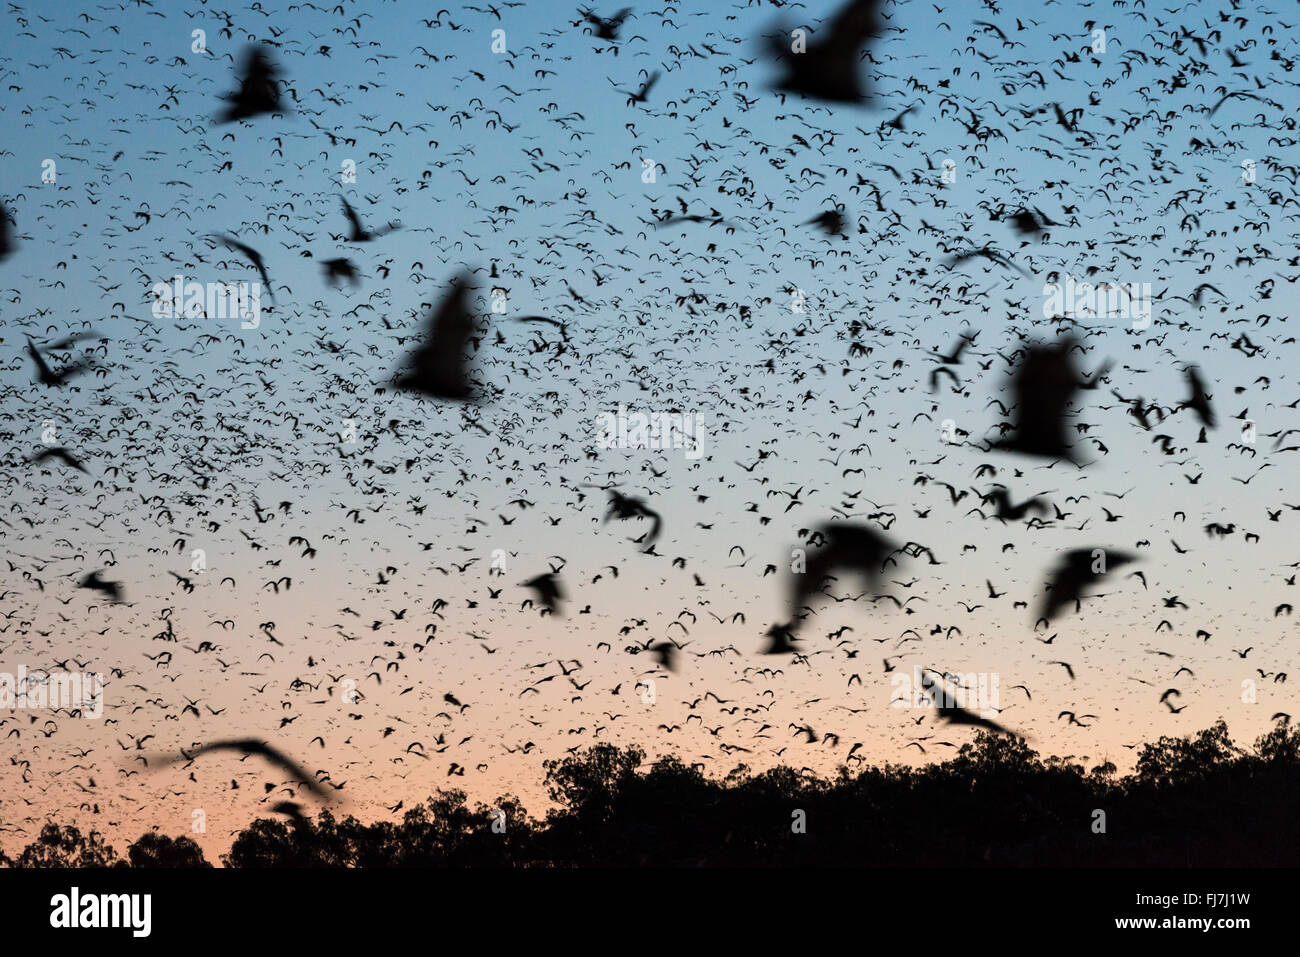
(1198, 801)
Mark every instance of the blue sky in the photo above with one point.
(531, 161)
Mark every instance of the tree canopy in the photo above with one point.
(1198, 800)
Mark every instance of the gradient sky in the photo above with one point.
(531, 162)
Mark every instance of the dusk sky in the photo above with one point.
(407, 525)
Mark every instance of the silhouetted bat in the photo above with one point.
(259, 89)
(1075, 571)
(830, 69)
(439, 368)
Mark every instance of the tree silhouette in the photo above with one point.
(443, 832)
(1198, 800)
(65, 847)
(1180, 760)
(158, 850)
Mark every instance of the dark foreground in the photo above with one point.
(1199, 801)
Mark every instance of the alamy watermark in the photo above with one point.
(1103, 300)
(40, 690)
(213, 300)
(651, 430)
(976, 692)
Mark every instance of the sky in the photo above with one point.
(524, 166)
